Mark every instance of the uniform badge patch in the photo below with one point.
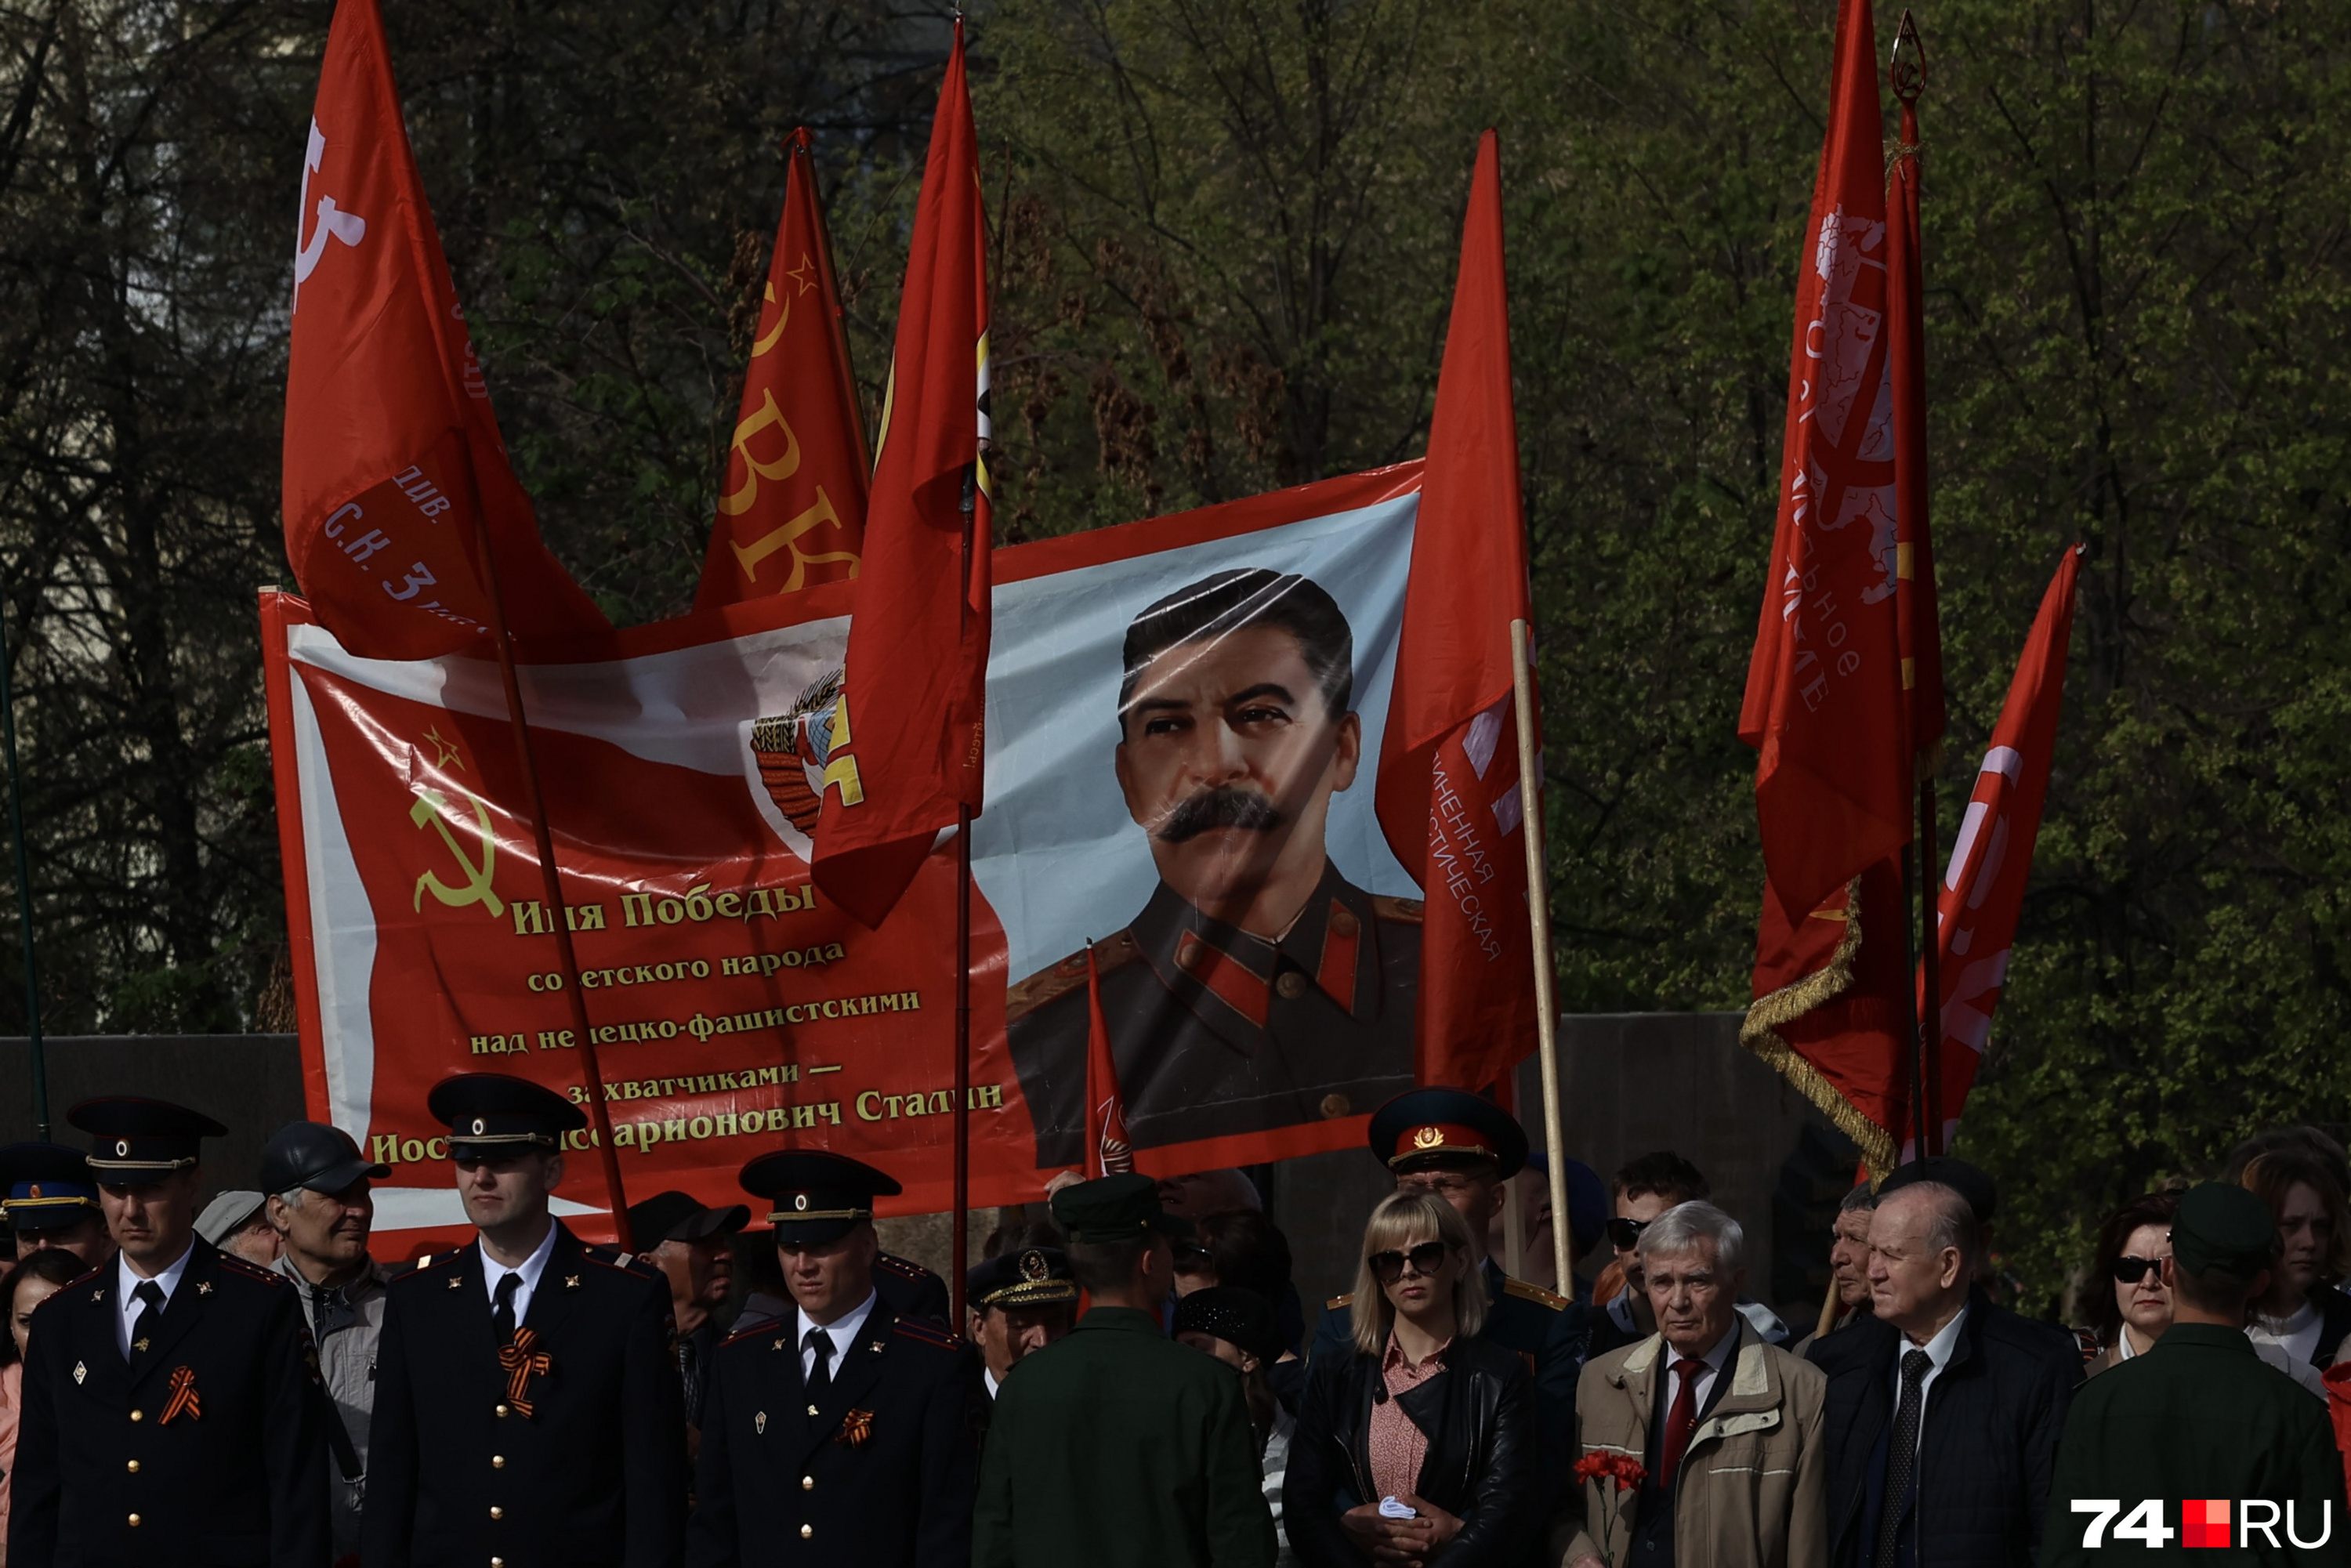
(759, 1423)
(857, 1429)
(81, 1372)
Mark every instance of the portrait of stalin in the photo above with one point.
(1258, 987)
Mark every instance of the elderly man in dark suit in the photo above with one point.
(1943, 1410)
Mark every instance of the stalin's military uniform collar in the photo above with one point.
(1229, 978)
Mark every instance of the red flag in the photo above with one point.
(910, 721)
(1449, 781)
(1108, 1150)
(1824, 704)
(791, 512)
(1914, 557)
(395, 476)
(1984, 890)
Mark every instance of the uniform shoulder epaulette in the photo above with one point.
(764, 1326)
(904, 1268)
(927, 1332)
(1112, 952)
(1407, 910)
(1535, 1293)
(85, 1277)
(624, 1262)
(255, 1271)
(1335, 1302)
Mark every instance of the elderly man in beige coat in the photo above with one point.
(1726, 1429)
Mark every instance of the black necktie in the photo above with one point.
(819, 1378)
(502, 1315)
(150, 1316)
(1903, 1463)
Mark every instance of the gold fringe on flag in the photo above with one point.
(1760, 1034)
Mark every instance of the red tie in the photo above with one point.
(1680, 1422)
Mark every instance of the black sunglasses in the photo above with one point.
(1387, 1267)
(1625, 1233)
(2131, 1270)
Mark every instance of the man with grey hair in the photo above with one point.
(1726, 1427)
(1943, 1410)
(1847, 1298)
(320, 1206)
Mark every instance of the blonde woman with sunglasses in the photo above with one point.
(1423, 1441)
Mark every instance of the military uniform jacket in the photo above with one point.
(1218, 1031)
(576, 1460)
(111, 1468)
(1116, 1445)
(2197, 1415)
(878, 1472)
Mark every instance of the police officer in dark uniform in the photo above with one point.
(1258, 987)
(527, 1409)
(53, 1201)
(171, 1407)
(844, 1431)
(1463, 1147)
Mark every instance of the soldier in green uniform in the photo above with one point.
(1118, 1445)
(2231, 1452)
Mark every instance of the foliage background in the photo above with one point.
(1226, 232)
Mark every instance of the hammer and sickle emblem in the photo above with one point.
(428, 809)
(1427, 1138)
(333, 221)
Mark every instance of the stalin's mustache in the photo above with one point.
(1224, 806)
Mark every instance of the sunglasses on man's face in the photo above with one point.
(1626, 1233)
(1387, 1267)
(2131, 1270)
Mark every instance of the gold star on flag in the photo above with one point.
(804, 274)
(444, 750)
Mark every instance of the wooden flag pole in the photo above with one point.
(962, 1244)
(1539, 915)
(600, 1115)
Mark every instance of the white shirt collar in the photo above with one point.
(989, 1378)
(127, 1307)
(842, 1331)
(532, 1268)
(1947, 1338)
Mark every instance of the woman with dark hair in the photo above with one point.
(38, 1276)
(1422, 1443)
(2303, 1311)
(2130, 1304)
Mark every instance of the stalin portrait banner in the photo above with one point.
(1183, 725)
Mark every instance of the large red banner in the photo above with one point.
(1178, 785)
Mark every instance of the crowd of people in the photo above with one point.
(1136, 1379)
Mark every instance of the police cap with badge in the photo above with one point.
(815, 1197)
(49, 1187)
(491, 1114)
(1030, 1277)
(134, 1140)
(1428, 1129)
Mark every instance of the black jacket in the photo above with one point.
(111, 1469)
(594, 1474)
(1989, 1442)
(1479, 1417)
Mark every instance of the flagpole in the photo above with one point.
(39, 1058)
(1539, 916)
(600, 1115)
(963, 953)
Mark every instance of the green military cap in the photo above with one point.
(1115, 1208)
(2223, 1229)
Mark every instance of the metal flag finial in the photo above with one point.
(1907, 66)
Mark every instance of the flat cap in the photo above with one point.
(1115, 1208)
(815, 1196)
(315, 1156)
(2221, 1228)
(1030, 1277)
(679, 1217)
(133, 1139)
(226, 1215)
(492, 1113)
(1983, 1198)
(49, 1187)
(1233, 1313)
(1428, 1127)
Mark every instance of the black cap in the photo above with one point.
(1233, 1313)
(1032, 1277)
(817, 1196)
(1424, 1128)
(492, 1114)
(315, 1156)
(1115, 1208)
(2223, 1229)
(133, 1139)
(676, 1216)
(1956, 1174)
(49, 1187)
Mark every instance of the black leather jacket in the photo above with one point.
(1479, 1417)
